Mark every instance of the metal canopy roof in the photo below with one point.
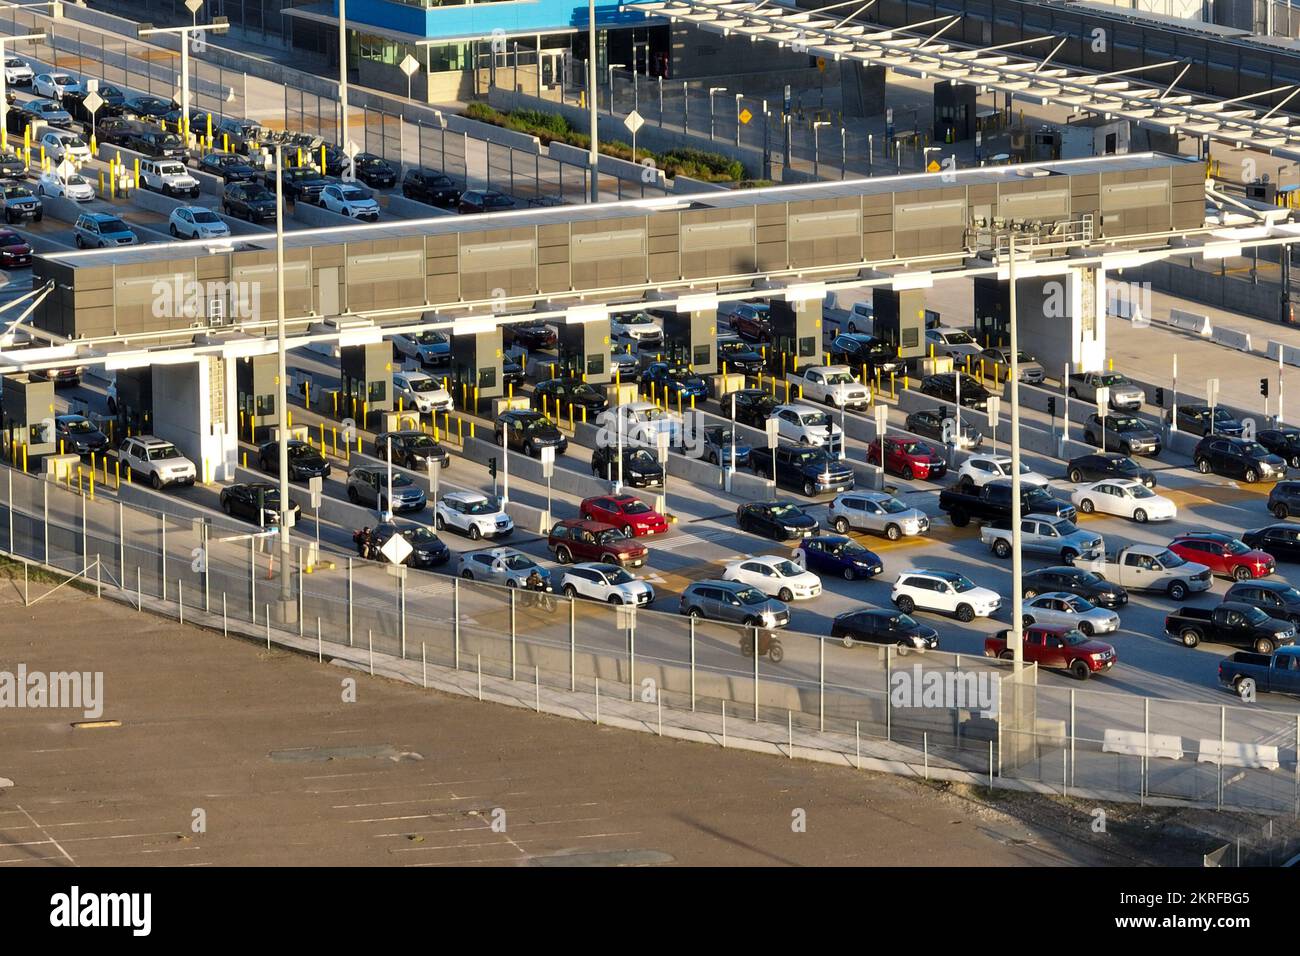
(916, 50)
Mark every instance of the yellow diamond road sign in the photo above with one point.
(934, 167)
(746, 116)
(821, 63)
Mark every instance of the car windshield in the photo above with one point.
(617, 576)
(112, 225)
(163, 453)
(650, 415)
(431, 338)
(1288, 594)
(74, 180)
(519, 562)
(485, 506)
(751, 596)
(79, 426)
(641, 457)
(17, 192)
(810, 456)
(957, 338)
(904, 622)
(961, 584)
(402, 481)
(1223, 415)
(1109, 380)
(1254, 449)
(1126, 424)
(1088, 577)
(815, 419)
(370, 161)
(636, 318)
(892, 506)
(1077, 605)
(1038, 498)
(206, 216)
(1140, 491)
(915, 448)
(1237, 547)
(1168, 559)
(354, 195)
(787, 569)
(418, 535)
(637, 507)
(11, 239)
(1256, 616)
(785, 511)
(421, 441)
(610, 536)
(839, 378)
(850, 549)
(1062, 528)
(302, 451)
(171, 169)
(1074, 638)
(421, 384)
(537, 424)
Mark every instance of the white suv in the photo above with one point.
(946, 592)
(169, 177)
(876, 511)
(197, 222)
(61, 144)
(479, 516)
(421, 392)
(605, 582)
(160, 461)
(978, 470)
(351, 201)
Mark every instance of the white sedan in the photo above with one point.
(776, 577)
(1125, 497)
(422, 392)
(1060, 608)
(54, 85)
(807, 425)
(61, 143)
(72, 186)
(351, 201)
(605, 582)
(197, 222)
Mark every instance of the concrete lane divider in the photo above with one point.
(1232, 338)
(165, 205)
(1190, 322)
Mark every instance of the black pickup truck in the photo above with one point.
(1232, 623)
(811, 470)
(992, 502)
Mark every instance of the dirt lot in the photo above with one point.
(261, 749)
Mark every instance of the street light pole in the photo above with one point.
(343, 75)
(218, 25)
(1017, 585)
(594, 152)
(281, 379)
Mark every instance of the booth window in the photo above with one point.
(265, 404)
(701, 355)
(596, 364)
(487, 378)
(807, 346)
(911, 338)
(377, 391)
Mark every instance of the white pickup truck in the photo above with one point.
(1144, 567)
(833, 385)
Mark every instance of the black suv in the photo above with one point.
(1282, 541)
(779, 520)
(753, 406)
(157, 144)
(230, 167)
(483, 200)
(857, 349)
(1195, 419)
(640, 468)
(1123, 433)
(532, 335)
(430, 186)
(1284, 499)
(1283, 442)
(375, 171)
(1237, 458)
(300, 184)
(19, 203)
(117, 130)
(304, 461)
(252, 202)
(559, 394)
(740, 356)
(1100, 467)
(944, 386)
(883, 626)
(529, 432)
(1277, 599)
(411, 448)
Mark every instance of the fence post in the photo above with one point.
(889, 709)
(252, 579)
(1146, 749)
(225, 628)
(925, 749)
(84, 547)
(424, 667)
(755, 675)
(207, 594)
(370, 641)
(401, 607)
(12, 549)
(320, 649)
(1295, 813)
(1073, 735)
(455, 620)
(691, 620)
(512, 592)
(45, 490)
(139, 591)
(573, 644)
(180, 600)
(821, 684)
(162, 521)
(349, 602)
(1223, 737)
(631, 659)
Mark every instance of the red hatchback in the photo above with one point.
(578, 539)
(1224, 555)
(628, 512)
(14, 250)
(909, 457)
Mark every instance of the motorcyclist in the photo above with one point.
(365, 542)
(535, 582)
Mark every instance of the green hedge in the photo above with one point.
(552, 127)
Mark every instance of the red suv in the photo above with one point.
(628, 512)
(909, 457)
(1061, 647)
(1224, 555)
(579, 539)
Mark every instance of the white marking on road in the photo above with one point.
(48, 837)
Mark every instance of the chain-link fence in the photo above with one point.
(933, 712)
(442, 149)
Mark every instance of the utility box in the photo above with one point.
(367, 377)
(690, 338)
(796, 335)
(584, 350)
(256, 391)
(476, 363)
(28, 415)
(900, 319)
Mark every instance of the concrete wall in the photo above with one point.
(164, 205)
(182, 418)
(403, 208)
(319, 216)
(1229, 292)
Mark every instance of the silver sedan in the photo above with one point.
(1060, 608)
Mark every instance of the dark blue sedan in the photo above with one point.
(677, 379)
(838, 554)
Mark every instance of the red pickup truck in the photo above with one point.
(1060, 647)
(580, 539)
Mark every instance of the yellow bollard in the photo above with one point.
(225, 142)
(209, 136)
(322, 438)
(117, 473)
(322, 158)
(299, 155)
(892, 393)
(245, 461)
(475, 399)
(570, 416)
(24, 457)
(136, 178)
(1110, 365)
(584, 414)
(288, 417)
(460, 431)
(334, 440)
(692, 403)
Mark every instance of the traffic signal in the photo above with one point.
(1051, 405)
(1263, 387)
(492, 468)
(1160, 397)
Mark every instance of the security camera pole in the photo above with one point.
(593, 155)
(218, 25)
(343, 75)
(1017, 573)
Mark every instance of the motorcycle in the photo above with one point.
(538, 595)
(769, 645)
(365, 545)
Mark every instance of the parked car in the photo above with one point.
(1278, 598)
(1234, 623)
(1237, 458)
(147, 106)
(1283, 442)
(954, 343)
(54, 85)
(581, 539)
(19, 203)
(749, 406)
(157, 143)
(431, 347)
(1124, 395)
(992, 502)
(427, 550)
(751, 320)
(733, 603)
(500, 566)
(997, 362)
(812, 470)
(1064, 609)
(1074, 580)
(1284, 499)
(474, 514)
(1099, 467)
(196, 222)
(1224, 555)
(1248, 673)
(529, 432)
(775, 576)
(421, 392)
(806, 425)
(72, 186)
(1202, 420)
(909, 458)
(229, 168)
(15, 251)
(158, 461)
(781, 520)
(168, 176)
(12, 165)
(48, 111)
(99, 230)
(859, 350)
(737, 355)
(978, 470)
(883, 626)
(1126, 498)
(832, 385)
(66, 376)
(624, 511)
(639, 468)
(941, 425)
(297, 184)
(1141, 567)
(114, 130)
(878, 512)
(412, 449)
(1045, 534)
(304, 460)
(1122, 433)
(483, 200)
(17, 72)
(944, 386)
(430, 186)
(945, 592)
(78, 435)
(643, 423)
(605, 582)
(533, 334)
(1058, 647)
(351, 201)
(370, 486)
(256, 501)
(838, 555)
